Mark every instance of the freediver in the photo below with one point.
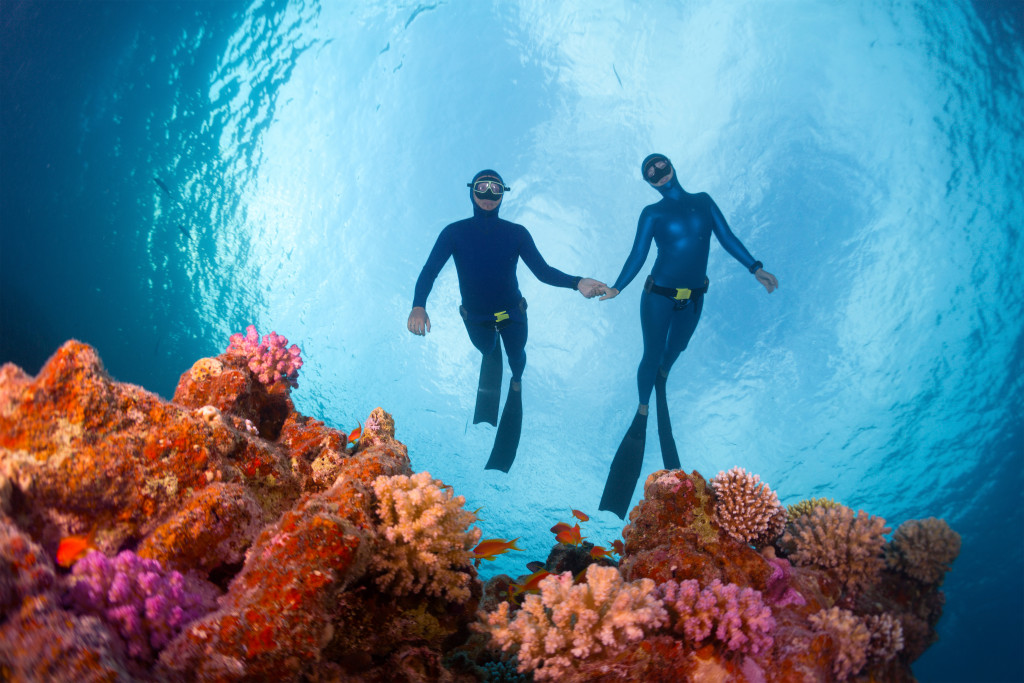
(681, 225)
(486, 250)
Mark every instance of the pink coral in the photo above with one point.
(555, 631)
(886, 637)
(747, 509)
(849, 546)
(735, 616)
(923, 549)
(270, 359)
(780, 591)
(850, 636)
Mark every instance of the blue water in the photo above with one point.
(870, 153)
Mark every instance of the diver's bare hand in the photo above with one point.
(767, 279)
(419, 321)
(590, 288)
(609, 293)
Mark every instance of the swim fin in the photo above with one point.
(668, 444)
(488, 392)
(506, 441)
(625, 469)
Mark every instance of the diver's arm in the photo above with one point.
(539, 267)
(637, 256)
(419, 321)
(732, 244)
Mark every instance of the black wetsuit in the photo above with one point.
(487, 250)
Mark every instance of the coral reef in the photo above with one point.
(746, 508)
(428, 538)
(566, 622)
(848, 546)
(335, 562)
(806, 506)
(923, 549)
(270, 359)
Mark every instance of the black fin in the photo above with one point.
(488, 392)
(625, 469)
(668, 444)
(506, 441)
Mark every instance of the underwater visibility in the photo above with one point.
(487, 341)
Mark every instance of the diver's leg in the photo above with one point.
(506, 441)
(684, 322)
(628, 461)
(488, 392)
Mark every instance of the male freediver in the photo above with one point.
(681, 225)
(486, 250)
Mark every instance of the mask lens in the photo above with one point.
(484, 186)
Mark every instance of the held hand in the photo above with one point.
(591, 288)
(767, 279)
(419, 321)
(609, 293)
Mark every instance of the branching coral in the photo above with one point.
(849, 634)
(270, 359)
(806, 506)
(143, 603)
(734, 616)
(923, 549)
(428, 540)
(886, 637)
(849, 546)
(567, 622)
(746, 508)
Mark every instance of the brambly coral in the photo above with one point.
(271, 359)
(923, 549)
(737, 617)
(806, 506)
(747, 508)
(850, 635)
(567, 623)
(849, 546)
(428, 538)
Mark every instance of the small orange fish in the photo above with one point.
(617, 547)
(488, 549)
(73, 548)
(560, 527)
(531, 585)
(354, 435)
(598, 553)
(580, 516)
(570, 536)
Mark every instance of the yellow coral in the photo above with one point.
(806, 506)
(205, 368)
(567, 623)
(427, 538)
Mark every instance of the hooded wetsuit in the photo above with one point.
(487, 250)
(681, 224)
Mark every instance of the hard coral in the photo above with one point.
(734, 616)
(568, 623)
(923, 549)
(849, 634)
(143, 603)
(428, 541)
(848, 546)
(747, 509)
(886, 637)
(806, 506)
(270, 359)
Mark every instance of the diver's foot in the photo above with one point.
(488, 392)
(668, 444)
(506, 441)
(625, 469)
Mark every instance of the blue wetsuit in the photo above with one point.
(681, 224)
(487, 250)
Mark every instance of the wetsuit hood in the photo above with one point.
(486, 173)
(670, 189)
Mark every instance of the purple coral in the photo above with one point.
(146, 605)
(780, 591)
(737, 617)
(270, 359)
